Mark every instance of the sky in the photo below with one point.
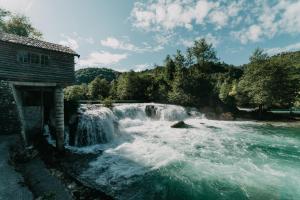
(136, 35)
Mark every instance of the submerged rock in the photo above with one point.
(150, 111)
(213, 127)
(181, 124)
(227, 116)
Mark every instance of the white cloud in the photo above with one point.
(268, 20)
(158, 15)
(70, 42)
(247, 21)
(219, 18)
(201, 10)
(251, 34)
(186, 42)
(115, 43)
(276, 50)
(17, 6)
(290, 20)
(89, 40)
(208, 37)
(167, 15)
(142, 67)
(102, 58)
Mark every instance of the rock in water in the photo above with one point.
(227, 116)
(151, 111)
(180, 124)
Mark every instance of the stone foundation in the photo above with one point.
(9, 118)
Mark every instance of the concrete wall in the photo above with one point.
(9, 118)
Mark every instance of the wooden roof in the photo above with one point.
(6, 37)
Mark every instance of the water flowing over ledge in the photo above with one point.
(98, 124)
(142, 157)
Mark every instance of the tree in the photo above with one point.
(177, 95)
(227, 93)
(132, 86)
(169, 68)
(268, 83)
(99, 88)
(3, 15)
(179, 61)
(204, 52)
(113, 89)
(17, 24)
(76, 92)
(189, 60)
(258, 56)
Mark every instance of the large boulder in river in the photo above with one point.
(150, 111)
(227, 116)
(181, 124)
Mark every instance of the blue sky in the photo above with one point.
(127, 34)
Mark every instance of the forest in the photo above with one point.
(198, 78)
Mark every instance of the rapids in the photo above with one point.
(142, 157)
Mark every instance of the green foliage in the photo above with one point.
(108, 103)
(17, 24)
(87, 75)
(228, 92)
(76, 92)
(198, 79)
(258, 56)
(169, 68)
(203, 52)
(113, 89)
(179, 60)
(297, 101)
(178, 95)
(132, 86)
(268, 83)
(98, 88)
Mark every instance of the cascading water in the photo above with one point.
(144, 158)
(96, 125)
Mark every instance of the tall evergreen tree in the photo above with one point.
(204, 52)
(169, 68)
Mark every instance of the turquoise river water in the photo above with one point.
(144, 158)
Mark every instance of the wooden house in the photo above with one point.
(36, 72)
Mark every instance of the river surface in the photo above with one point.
(142, 157)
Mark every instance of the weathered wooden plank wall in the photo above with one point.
(60, 69)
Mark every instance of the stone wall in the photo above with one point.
(9, 118)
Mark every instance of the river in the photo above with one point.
(142, 157)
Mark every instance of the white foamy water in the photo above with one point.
(144, 158)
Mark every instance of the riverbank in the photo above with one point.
(43, 173)
(12, 184)
(63, 166)
(242, 115)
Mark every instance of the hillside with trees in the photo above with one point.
(87, 75)
(198, 78)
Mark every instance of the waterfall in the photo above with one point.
(97, 124)
(155, 111)
(138, 155)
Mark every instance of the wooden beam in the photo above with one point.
(59, 118)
